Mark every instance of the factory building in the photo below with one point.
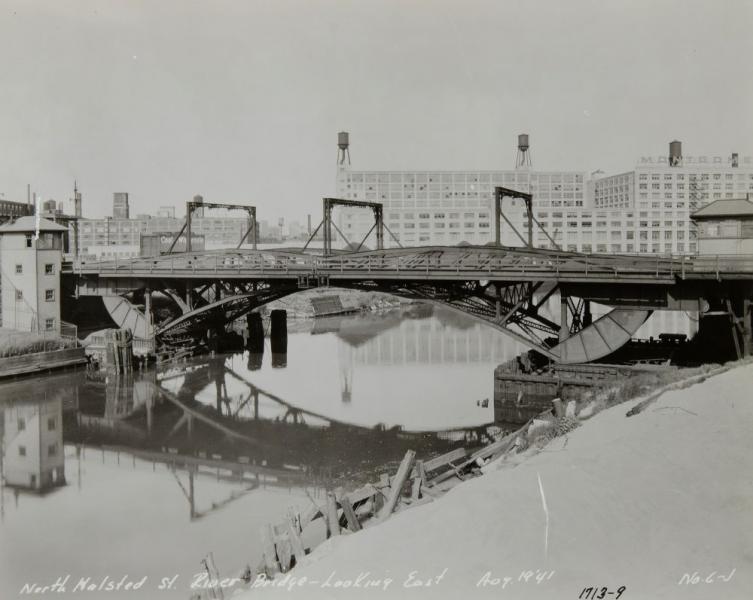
(644, 211)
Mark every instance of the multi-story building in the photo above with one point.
(110, 238)
(433, 207)
(642, 211)
(31, 252)
(120, 209)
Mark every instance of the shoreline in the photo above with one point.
(352, 554)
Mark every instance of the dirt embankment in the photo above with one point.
(657, 505)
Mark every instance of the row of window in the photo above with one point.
(52, 450)
(49, 295)
(49, 269)
(51, 423)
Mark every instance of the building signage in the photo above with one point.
(733, 160)
(154, 244)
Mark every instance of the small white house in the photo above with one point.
(31, 253)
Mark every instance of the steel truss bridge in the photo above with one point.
(504, 287)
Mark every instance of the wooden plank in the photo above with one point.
(353, 523)
(440, 461)
(420, 471)
(415, 493)
(270, 554)
(333, 520)
(295, 543)
(406, 466)
(362, 494)
(284, 550)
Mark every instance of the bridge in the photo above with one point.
(504, 287)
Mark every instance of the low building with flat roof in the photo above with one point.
(725, 227)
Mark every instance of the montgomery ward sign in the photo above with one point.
(733, 160)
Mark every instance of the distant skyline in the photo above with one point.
(241, 101)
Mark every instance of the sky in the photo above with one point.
(241, 101)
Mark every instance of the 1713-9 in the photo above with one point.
(599, 593)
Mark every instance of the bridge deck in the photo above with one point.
(429, 263)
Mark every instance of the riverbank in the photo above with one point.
(638, 501)
(25, 352)
(299, 305)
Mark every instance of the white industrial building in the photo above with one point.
(644, 211)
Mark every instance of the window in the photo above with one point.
(19, 295)
(52, 449)
(19, 269)
(49, 324)
(21, 423)
(22, 450)
(28, 240)
(49, 295)
(49, 269)
(51, 424)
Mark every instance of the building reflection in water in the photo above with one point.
(32, 444)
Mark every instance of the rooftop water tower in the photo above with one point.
(343, 143)
(675, 153)
(523, 159)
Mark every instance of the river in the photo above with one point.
(96, 482)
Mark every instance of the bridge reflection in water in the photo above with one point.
(207, 451)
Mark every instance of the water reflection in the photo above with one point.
(150, 472)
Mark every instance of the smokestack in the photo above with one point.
(675, 153)
(28, 194)
(76, 200)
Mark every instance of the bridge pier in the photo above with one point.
(255, 333)
(279, 338)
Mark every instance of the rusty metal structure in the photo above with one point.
(194, 205)
(328, 224)
(506, 288)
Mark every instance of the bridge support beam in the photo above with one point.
(747, 328)
(564, 329)
(149, 318)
